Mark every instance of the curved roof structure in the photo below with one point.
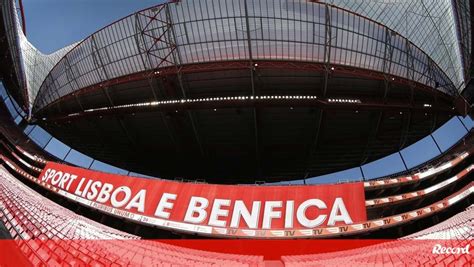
(31, 66)
(251, 89)
(197, 32)
(441, 28)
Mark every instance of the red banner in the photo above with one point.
(209, 208)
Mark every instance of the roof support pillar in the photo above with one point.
(252, 69)
(314, 145)
(327, 49)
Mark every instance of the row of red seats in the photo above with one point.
(460, 226)
(426, 173)
(463, 174)
(413, 250)
(50, 234)
(30, 217)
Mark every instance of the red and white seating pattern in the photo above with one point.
(421, 175)
(50, 234)
(417, 194)
(395, 253)
(413, 250)
(460, 226)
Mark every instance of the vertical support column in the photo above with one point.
(71, 78)
(99, 63)
(156, 42)
(67, 154)
(253, 89)
(387, 61)
(410, 69)
(47, 143)
(403, 160)
(436, 143)
(327, 48)
(362, 172)
(462, 123)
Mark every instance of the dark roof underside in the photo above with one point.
(240, 144)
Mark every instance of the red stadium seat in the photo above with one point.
(53, 234)
(415, 249)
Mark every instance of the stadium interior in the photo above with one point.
(251, 120)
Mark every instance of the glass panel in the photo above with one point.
(208, 31)
(412, 155)
(11, 108)
(104, 167)
(383, 167)
(28, 129)
(40, 136)
(449, 134)
(467, 121)
(18, 119)
(57, 148)
(79, 159)
(3, 92)
(349, 175)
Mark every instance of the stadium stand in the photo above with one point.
(437, 177)
(28, 216)
(460, 226)
(34, 226)
(423, 192)
(366, 92)
(23, 158)
(459, 230)
(429, 170)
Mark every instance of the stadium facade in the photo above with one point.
(226, 93)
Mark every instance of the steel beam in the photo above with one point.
(99, 64)
(372, 135)
(378, 104)
(252, 69)
(314, 145)
(405, 130)
(327, 49)
(241, 65)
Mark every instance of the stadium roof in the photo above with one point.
(305, 87)
(441, 28)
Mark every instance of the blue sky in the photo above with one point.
(53, 24)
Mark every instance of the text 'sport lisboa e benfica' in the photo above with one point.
(243, 119)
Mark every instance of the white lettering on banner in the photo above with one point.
(197, 213)
(104, 194)
(193, 208)
(439, 249)
(61, 180)
(138, 201)
(126, 192)
(234, 213)
(290, 206)
(250, 218)
(119, 197)
(94, 190)
(217, 211)
(339, 213)
(301, 213)
(269, 213)
(165, 204)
